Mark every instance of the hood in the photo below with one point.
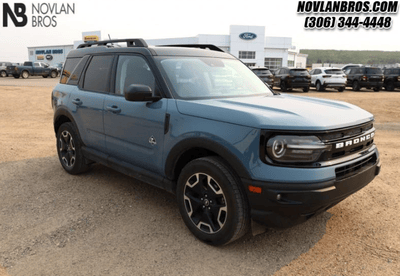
(278, 112)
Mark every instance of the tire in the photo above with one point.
(45, 76)
(3, 74)
(69, 150)
(283, 86)
(53, 74)
(390, 86)
(376, 89)
(211, 201)
(306, 89)
(341, 89)
(16, 76)
(319, 87)
(25, 74)
(356, 86)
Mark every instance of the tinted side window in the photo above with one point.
(98, 74)
(69, 66)
(76, 73)
(133, 70)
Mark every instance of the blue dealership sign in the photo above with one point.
(248, 36)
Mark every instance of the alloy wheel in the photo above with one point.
(205, 203)
(67, 149)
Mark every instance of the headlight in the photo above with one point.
(294, 149)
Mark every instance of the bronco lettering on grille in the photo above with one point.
(355, 141)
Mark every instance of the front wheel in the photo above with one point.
(376, 89)
(306, 89)
(341, 89)
(44, 76)
(389, 86)
(16, 76)
(69, 150)
(53, 74)
(3, 74)
(211, 201)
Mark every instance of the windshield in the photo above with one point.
(334, 71)
(199, 77)
(374, 71)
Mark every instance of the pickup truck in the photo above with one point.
(32, 69)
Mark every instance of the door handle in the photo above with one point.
(114, 109)
(77, 101)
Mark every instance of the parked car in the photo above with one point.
(59, 67)
(350, 65)
(265, 75)
(287, 78)
(32, 69)
(3, 68)
(391, 78)
(328, 77)
(369, 77)
(200, 124)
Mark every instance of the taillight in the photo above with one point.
(364, 78)
(398, 78)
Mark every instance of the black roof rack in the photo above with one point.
(201, 46)
(130, 42)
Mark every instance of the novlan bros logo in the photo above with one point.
(19, 11)
(43, 14)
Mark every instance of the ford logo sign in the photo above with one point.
(49, 57)
(247, 36)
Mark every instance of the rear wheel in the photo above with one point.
(44, 76)
(3, 74)
(306, 89)
(376, 89)
(25, 75)
(69, 150)
(319, 87)
(283, 86)
(341, 89)
(16, 76)
(356, 86)
(211, 201)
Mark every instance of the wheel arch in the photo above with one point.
(63, 116)
(193, 148)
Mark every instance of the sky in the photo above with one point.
(175, 18)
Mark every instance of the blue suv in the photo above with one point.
(195, 121)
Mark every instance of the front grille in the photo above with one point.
(347, 141)
(349, 170)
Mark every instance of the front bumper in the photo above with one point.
(282, 205)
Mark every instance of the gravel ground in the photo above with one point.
(105, 223)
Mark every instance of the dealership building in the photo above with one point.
(248, 43)
(49, 54)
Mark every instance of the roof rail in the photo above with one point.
(201, 46)
(130, 42)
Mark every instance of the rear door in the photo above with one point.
(135, 130)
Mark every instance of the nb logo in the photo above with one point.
(17, 16)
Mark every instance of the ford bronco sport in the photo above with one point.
(200, 124)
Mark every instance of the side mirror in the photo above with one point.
(140, 93)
